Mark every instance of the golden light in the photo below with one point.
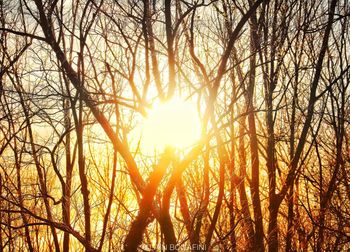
(173, 123)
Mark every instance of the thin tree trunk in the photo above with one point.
(254, 151)
(233, 183)
(181, 192)
(290, 196)
(205, 200)
(170, 49)
(248, 223)
(155, 68)
(82, 172)
(69, 169)
(20, 197)
(166, 225)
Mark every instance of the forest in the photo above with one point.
(174, 125)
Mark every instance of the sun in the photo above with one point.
(173, 123)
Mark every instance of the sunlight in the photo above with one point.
(174, 123)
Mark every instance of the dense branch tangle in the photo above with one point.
(271, 84)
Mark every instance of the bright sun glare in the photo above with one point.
(173, 123)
